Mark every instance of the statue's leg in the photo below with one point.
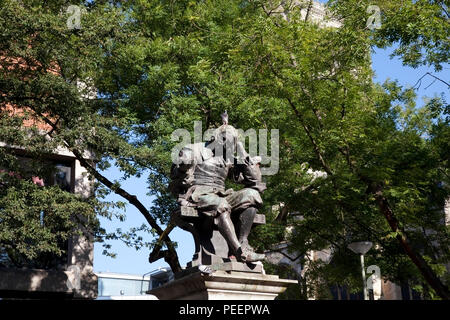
(245, 223)
(245, 202)
(220, 209)
(226, 227)
(223, 209)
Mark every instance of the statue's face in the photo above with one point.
(225, 142)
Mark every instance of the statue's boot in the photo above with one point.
(249, 256)
(254, 257)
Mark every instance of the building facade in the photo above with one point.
(70, 276)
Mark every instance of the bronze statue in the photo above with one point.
(198, 181)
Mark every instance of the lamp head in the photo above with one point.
(360, 247)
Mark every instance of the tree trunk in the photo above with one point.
(417, 259)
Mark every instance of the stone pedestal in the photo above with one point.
(223, 285)
(214, 273)
(211, 248)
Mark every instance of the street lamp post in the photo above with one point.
(361, 248)
(366, 295)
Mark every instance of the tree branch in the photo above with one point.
(311, 138)
(419, 82)
(171, 256)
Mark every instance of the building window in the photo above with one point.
(118, 287)
(61, 175)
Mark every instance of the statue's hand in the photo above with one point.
(251, 170)
(255, 160)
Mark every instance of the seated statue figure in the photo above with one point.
(198, 181)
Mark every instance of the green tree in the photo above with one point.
(378, 149)
(36, 222)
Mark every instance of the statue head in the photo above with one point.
(224, 140)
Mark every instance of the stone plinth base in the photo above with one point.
(223, 285)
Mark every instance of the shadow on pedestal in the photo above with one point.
(223, 285)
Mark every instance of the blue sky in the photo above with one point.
(385, 68)
(130, 261)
